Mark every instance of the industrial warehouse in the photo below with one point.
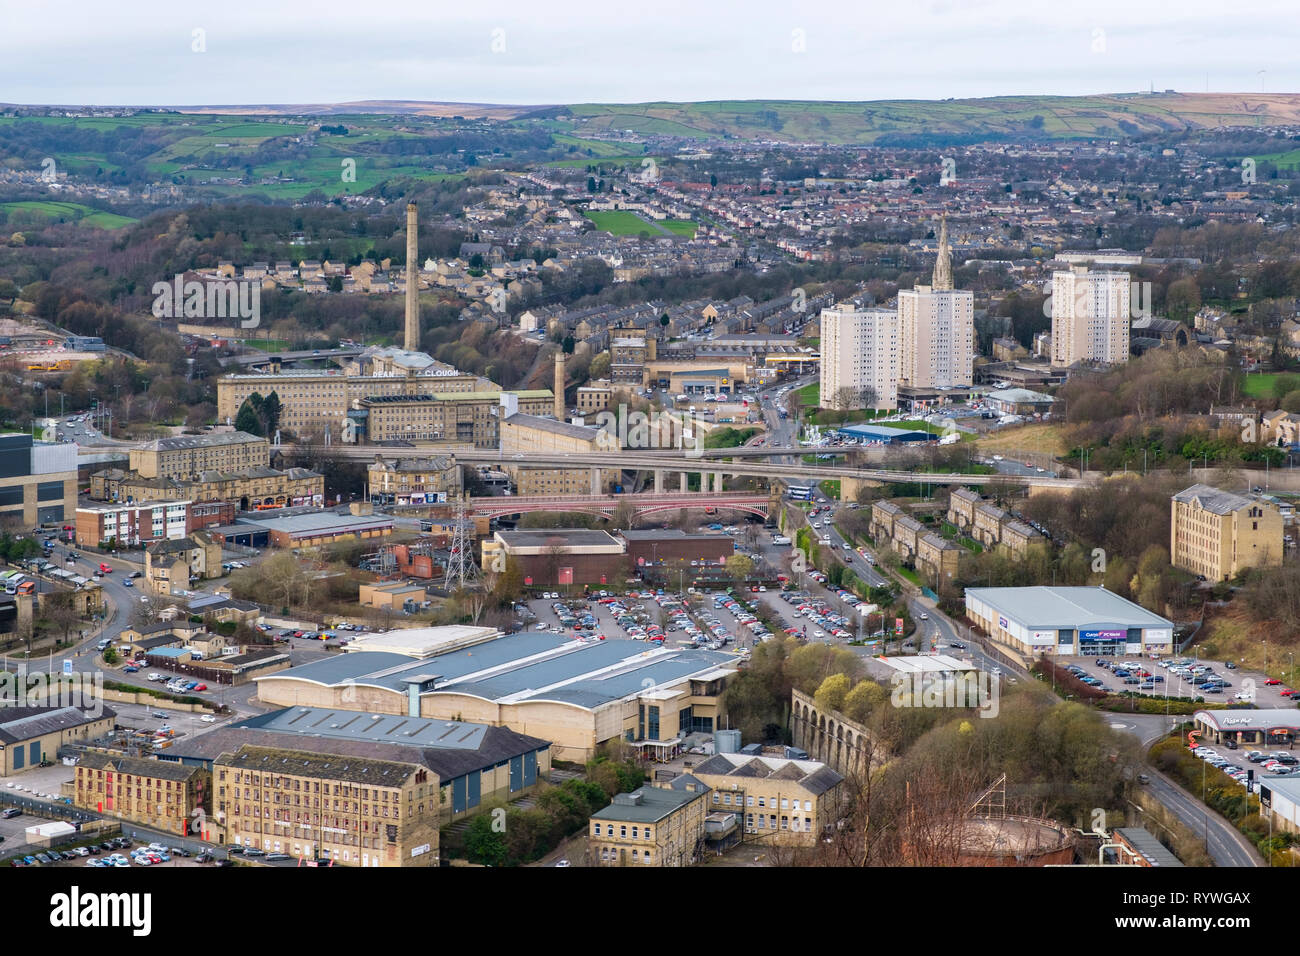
(576, 694)
(1068, 620)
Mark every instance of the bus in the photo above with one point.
(799, 492)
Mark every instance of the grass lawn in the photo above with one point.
(1039, 438)
(810, 394)
(70, 212)
(910, 575)
(729, 437)
(268, 345)
(1261, 385)
(831, 487)
(680, 227)
(953, 533)
(621, 223)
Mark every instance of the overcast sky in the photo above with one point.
(143, 52)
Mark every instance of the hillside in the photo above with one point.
(907, 121)
(864, 122)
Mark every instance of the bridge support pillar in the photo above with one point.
(595, 481)
(717, 481)
(685, 482)
(659, 481)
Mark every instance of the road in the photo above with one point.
(123, 600)
(1226, 846)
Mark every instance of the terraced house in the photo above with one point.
(405, 481)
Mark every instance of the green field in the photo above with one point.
(1259, 385)
(1288, 160)
(621, 223)
(1048, 117)
(680, 227)
(70, 212)
(268, 345)
(810, 395)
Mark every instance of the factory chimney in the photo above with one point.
(412, 342)
(559, 384)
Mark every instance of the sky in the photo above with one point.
(168, 53)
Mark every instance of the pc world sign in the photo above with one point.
(1103, 635)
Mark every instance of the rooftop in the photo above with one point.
(1068, 607)
(530, 665)
(136, 766)
(647, 805)
(450, 748)
(812, 775)
(181, 442)
(1249, 719)
(553, 425)
(25, 723)
(1212, 499)
(567, 538)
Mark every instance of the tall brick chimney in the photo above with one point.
(559, 384)
(412, 341)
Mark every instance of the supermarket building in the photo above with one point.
(1068, 620)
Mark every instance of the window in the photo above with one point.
(596, 831)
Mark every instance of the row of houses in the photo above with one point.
(928, 551)
(988, 524)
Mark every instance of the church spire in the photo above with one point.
(943, 264)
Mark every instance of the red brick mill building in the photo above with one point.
(578, 556)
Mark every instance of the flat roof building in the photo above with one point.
(575, 693)
(1265, 727)
(1068, 620)
(38, 480)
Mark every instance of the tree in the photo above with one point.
(862, 700)
(1183, 299)
(740, 567)
(59, 613)
(270, 414)
(830, 695)
(509, 583)
(248, 418)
